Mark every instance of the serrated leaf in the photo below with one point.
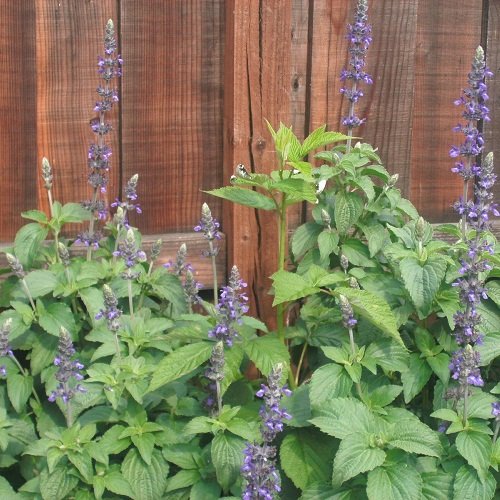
(73, 212)
(388, 354)
(476, 448)
(304, 238)
(297, 189)
(56, 485)
(374, 309)
(185, 456)
(36, 215)
(437, 486)
(183, 479)
(145, 444)
(227, 457)
(395, 482)
(340, 417)
(327, 382)
(55, 315)
(408, 208)
(440, 366)
(327, 243)
(357, 253)
(148, 482)
(415, 437)
(319, 138)
(423, 281)
(245, 197)
(354, 456)
(468, 485)
(6, 490)
(82, 461)
(181, 362)
(415, 378)
(348, 208)
(41, 282)
(376, 235)
(116, 483)
(489, 349)
(28, 242)
(290, 286)
(305, 457)
(19, 389)
(266, 352)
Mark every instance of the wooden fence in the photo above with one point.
(200, 78)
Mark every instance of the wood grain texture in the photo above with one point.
(442, 60)
(256, 87)
(492, 47)
(17, 116)
(69, 38)
(172, 112)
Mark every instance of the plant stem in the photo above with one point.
(219, 397)
(282, 236)
(497, 430)
(351, 114)
(28, 293)
(466, 397)
(130, 298)
(214, 272)
(465, 201)
(117, 346)
(141, 298)
(301, 361)
(24, 374)
(91, 225)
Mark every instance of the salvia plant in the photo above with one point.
(119, 379)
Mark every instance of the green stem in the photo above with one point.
(219, 397)
(143, 291)
(354, 352)
(117, 346)
(301, 361)
(24, 373)
(130, 298)
(282, 236)
(28, 293)
(214, 272)
(497, 430)
(466, 409)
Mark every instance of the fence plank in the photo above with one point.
(492, 128)
(443, 58)
(17, 119)
(172, 116)
(70, 36)
(256, 87)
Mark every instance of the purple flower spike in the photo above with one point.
(68, 370)
(131, 255)
(231, 308)
(259, 464)
(348, 319)
(210, 229)
(359, 36)
(111, 311)
(5, 349)
(129, 204)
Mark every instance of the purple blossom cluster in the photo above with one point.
(476, 214)
(259, 464)
(129, 204)
(68, 369)
(99, 153)
(111, 310)
(5, 349)
(359, 36)
(348, 319)
(179, 267)
(131, 255)
(209, 226)
(230, 309)
(191, 288)
(215, 373)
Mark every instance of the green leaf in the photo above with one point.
(206, 490)
(468, 485)
(374, 309)
(304, 238)
(387, 354)
(183, 479)
(322, 491)
(41, 282)
(35, 215)
(147, 481)
(357, 253)
(384, 395)
(116, 483)
(415, 437)
(354, 456)
(185, 456)
(395, 482)
(299, 407)
(181, 362)
(367, 185)
(19, 389)
(476, 448)
(55, 315)
(286, 143)
(423, 281)
(267, 351)
(348, 208)
(82, 461)
(145, 444)
(327, 243)
(341, 417)
(28, 242)
(479, 405)
(319, 138)
(376, 236)
(437, 486)
(305, 457)
(440, 366)
(415, 378)
(73, 212)
(445, 414)
(489, 349)
(56, 485)
(6, 490)
(245, 197)
(297, 189)
(290, 286)
(407, 207)
(328, 382)
(227, 457)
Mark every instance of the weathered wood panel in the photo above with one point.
(17, 113)
(69, 38)
(172, 108)
(443, 59)
(256, 88)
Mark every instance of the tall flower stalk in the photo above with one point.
(359, 36)
(473, 100)
(99, 153)
(209, 227)
(475, 214)
(259, 466)
(18, 269)
(112, 313)
(215, 373)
